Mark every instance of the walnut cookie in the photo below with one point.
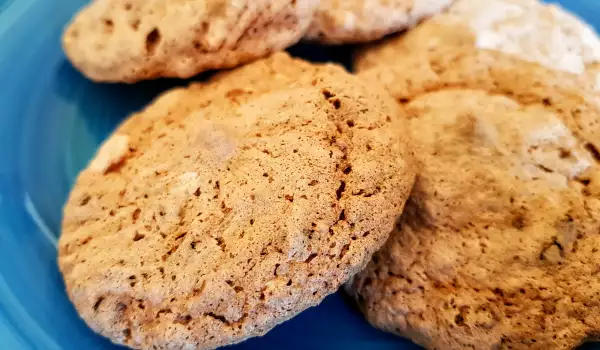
(228, 207)
(133, 40)
(498, 245)
(531, 30)
(357, 21)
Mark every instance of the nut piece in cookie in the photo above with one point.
(228, 207)
(129, 41)
(356, 21)
(498, 245)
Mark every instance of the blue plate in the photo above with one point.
(51, 122)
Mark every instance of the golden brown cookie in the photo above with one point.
(534, 31)
(129, 41)
(356, 21)
(228, 207)
(498, 247)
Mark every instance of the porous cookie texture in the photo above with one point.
(529, 29)
(227, 207)
(129, 41)
(355, 21)
(498, 246)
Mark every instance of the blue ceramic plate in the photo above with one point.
(51, 122)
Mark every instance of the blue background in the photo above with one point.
(51, 122)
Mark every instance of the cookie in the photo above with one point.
(228, 207)
(129, 41)
(531, 30)
(356, 21)
(498, 245)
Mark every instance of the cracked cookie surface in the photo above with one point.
(498, 245)
(129, 41)
(228, 207)
(356, 21)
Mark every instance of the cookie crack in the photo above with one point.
(217, 317)
(343, 167)
(265, 20)
(245, 30)
(222, 319)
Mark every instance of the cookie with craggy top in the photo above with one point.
(498, 245)
(356, 21)
(129, 41)
(228, 207)
(534, 31)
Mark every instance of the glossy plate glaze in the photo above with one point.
(51, 122)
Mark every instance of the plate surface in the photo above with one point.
(51, 122)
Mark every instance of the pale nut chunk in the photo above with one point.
(110, 153)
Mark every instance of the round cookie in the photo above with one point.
(228, 207)
(129, 41)
(356, 21)
(531, 30)
(498, 245)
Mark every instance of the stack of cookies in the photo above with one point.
(452, 183)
